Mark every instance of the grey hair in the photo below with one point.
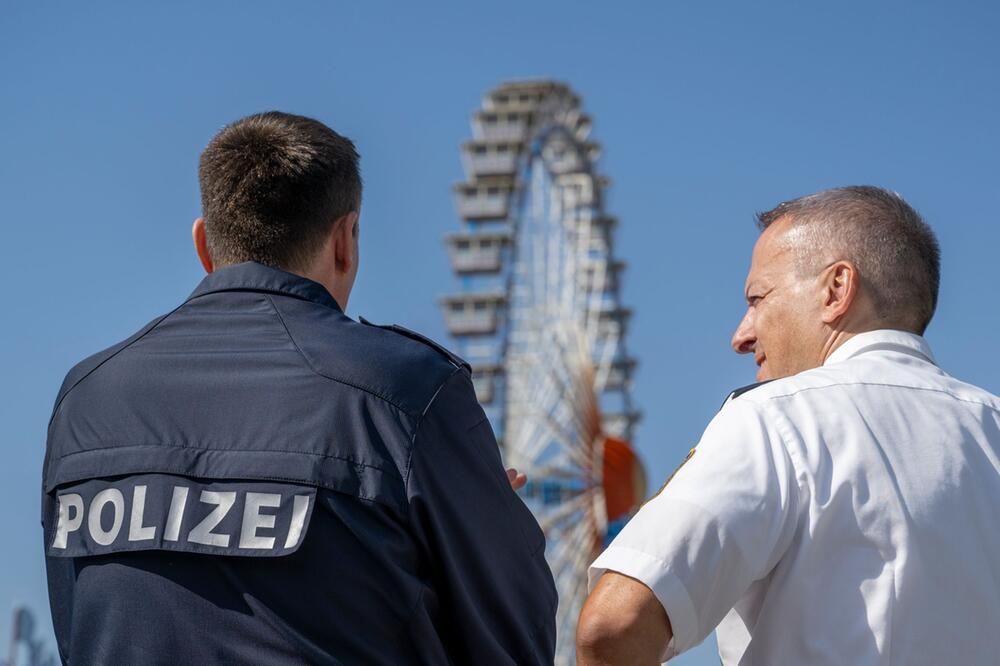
(894, 250)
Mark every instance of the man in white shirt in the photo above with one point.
(845, 513)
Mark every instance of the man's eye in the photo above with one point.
(754, 300)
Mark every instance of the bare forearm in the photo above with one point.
(616, 653)
(622, 623)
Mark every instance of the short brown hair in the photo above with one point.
(272, 184)
(894, 250)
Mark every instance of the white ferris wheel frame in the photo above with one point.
(562, 341)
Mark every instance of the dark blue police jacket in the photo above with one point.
(255, 478)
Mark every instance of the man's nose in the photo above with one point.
(744, 338)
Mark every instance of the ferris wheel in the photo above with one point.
(540, 320)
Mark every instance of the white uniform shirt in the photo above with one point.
(849, 514)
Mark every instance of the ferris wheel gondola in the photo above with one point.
(539, 317)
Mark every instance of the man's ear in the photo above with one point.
(840, 285)
(345, 242)
(201, 245)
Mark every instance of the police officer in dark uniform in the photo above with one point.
(255, 478)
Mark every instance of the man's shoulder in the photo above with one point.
(92, 363)
(810, 381)
(452, 358)
(970, 394)
(852, 379)
(861, 374)
(398, 365)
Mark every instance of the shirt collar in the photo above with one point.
(251, 276)
(882, 340)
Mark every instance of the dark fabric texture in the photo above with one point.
(415, 551)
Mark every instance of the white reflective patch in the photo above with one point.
(67, 524)
(136, 532)
(172, 530)
(111, 496)
(253, 519)
(202, 532)
(299, 510)
(167, 512)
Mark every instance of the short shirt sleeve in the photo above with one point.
(721, 523)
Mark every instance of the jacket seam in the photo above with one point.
(199, 448)
(413, 609)
(152, 328)
(420, 422)
(786, 438)
(313, 368)
(902, 386)
(254, 477)
(265, 291)
(479, 422)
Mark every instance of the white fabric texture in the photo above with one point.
(849, 514)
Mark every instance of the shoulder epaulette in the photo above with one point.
(741, 390)
(456, 360)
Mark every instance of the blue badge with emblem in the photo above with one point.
(166, 512)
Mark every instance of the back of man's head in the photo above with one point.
(894, 250)
(272, 184)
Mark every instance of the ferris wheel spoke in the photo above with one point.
(567, 614)
(556, 255)
(605, 365)
(576, 449)
(551, 520)
(576, 550)
(562, 557)
(560, 472)
(582, 423)
(552, 433)
(549, 393)
(550, 418)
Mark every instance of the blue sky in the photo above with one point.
(707, 112)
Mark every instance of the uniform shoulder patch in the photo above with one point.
(673, 474)
(741, 390)
(455, 360)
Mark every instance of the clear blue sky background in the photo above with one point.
(708, 112)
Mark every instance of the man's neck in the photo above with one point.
(321, 272)
(835, 339)
(843, 332)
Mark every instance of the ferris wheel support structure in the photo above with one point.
(539, 317)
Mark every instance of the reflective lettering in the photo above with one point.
(202, 532)
(67, 524)
(172, 530)
(136, 532)
(168, 512)
(300, 508)
(253, 519)
(111, 496)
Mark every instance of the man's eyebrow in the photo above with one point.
(754, 286)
